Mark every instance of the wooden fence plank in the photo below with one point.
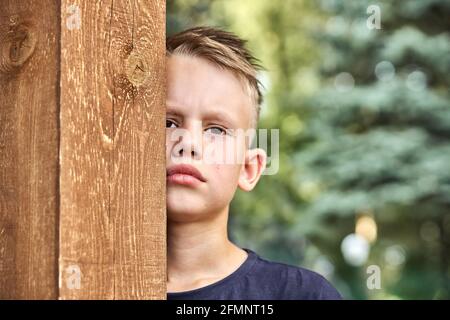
(82, 149)
(112, 150)
(29, 33)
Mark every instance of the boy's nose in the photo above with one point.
(184, 150)
(188, 143)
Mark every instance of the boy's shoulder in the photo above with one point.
(284, 281)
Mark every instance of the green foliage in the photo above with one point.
(376, 142)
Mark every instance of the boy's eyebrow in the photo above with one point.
(218, 115)
(209, 115)
(175, 112)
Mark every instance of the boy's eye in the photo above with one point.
(217, 130)
(169, 123)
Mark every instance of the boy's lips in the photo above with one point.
(184, 174)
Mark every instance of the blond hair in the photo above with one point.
(223, 49)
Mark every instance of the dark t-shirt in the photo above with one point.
(259, 279)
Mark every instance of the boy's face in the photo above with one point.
(202, 102)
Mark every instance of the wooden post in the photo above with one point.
(82, 142)
(29, 36)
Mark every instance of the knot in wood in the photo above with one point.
(16, 46)
(137, 69)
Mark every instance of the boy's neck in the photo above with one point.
(199, 253)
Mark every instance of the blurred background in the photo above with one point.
(363, 108)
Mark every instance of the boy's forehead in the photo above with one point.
(196, 85)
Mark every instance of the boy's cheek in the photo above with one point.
(223, 176)
(223, 152)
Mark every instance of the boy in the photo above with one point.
(212, 93)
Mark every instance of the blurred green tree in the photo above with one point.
(380, 143)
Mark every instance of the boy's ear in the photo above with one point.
(252, 168)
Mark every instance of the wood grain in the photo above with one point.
(82, 150)
(29, 33)
(113, 223)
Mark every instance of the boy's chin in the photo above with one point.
(184, 215)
